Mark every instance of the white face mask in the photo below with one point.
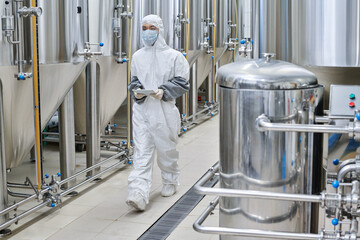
(149, 37)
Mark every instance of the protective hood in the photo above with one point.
(157, 22)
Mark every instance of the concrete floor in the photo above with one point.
(100, 212)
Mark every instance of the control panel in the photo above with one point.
(344, 100)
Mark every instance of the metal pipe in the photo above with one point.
(16, 205)
(199, 187)
(20, 36)
(36, 97)
(129, 80)
(92, 117)
(67, 138)
(194, 89)
(322, 119)
(210, 87)
(14, 194)
(347, 169)
(346, 162)
(91, 178)
(119, 33)
(264, 124)
(90, 168)
(252, 233)
(18, 185)
(24, 214)
(3, 180)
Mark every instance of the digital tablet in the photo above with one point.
(144, 91)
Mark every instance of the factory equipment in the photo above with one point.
(271, 170)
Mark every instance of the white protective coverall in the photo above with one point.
(156, 123)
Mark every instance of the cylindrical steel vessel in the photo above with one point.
(266, 161)
(61, 33)
(112, 75)
(323, 36)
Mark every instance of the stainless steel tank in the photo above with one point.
(266, 161)
(60, 34)
(322, 35)
(112, 80)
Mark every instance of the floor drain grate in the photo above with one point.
(164, 226)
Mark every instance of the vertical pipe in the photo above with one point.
(36, 99)
(256, 28)
(214, 53)
(92, 118)
(210, 87)
(194, 90)
(20, 36)
(3, 190)
(67, 138)
(119, 33)
(129, 80)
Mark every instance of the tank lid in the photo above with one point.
(265, 73)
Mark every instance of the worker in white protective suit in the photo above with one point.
(156, 119)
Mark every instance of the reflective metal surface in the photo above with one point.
(67, 138)
(19, 109)
(62, 30)
(304, 31)
(112, 80)
(266, 161)
(265, 74)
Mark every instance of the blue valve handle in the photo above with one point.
(358, 116)
(124, 60)
(52, 205)
(335, 221)
(242, 41)
(335, 184)
(101, 44)
(46, 175)
(336, 162)
(131, 141)
(59, 174)
(21, 77)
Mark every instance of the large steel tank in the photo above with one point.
(266, 161)
(112, 76)
(322, 35)
(60, 34)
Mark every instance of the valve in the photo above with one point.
(129, 162)
(46, 175)
(336, 162)
(101, 44)
(52, 205)
(58, 174)
(131, 141)
(357, 116)
(335, 221)
(335, 184)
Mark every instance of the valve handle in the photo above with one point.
(335, 221)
